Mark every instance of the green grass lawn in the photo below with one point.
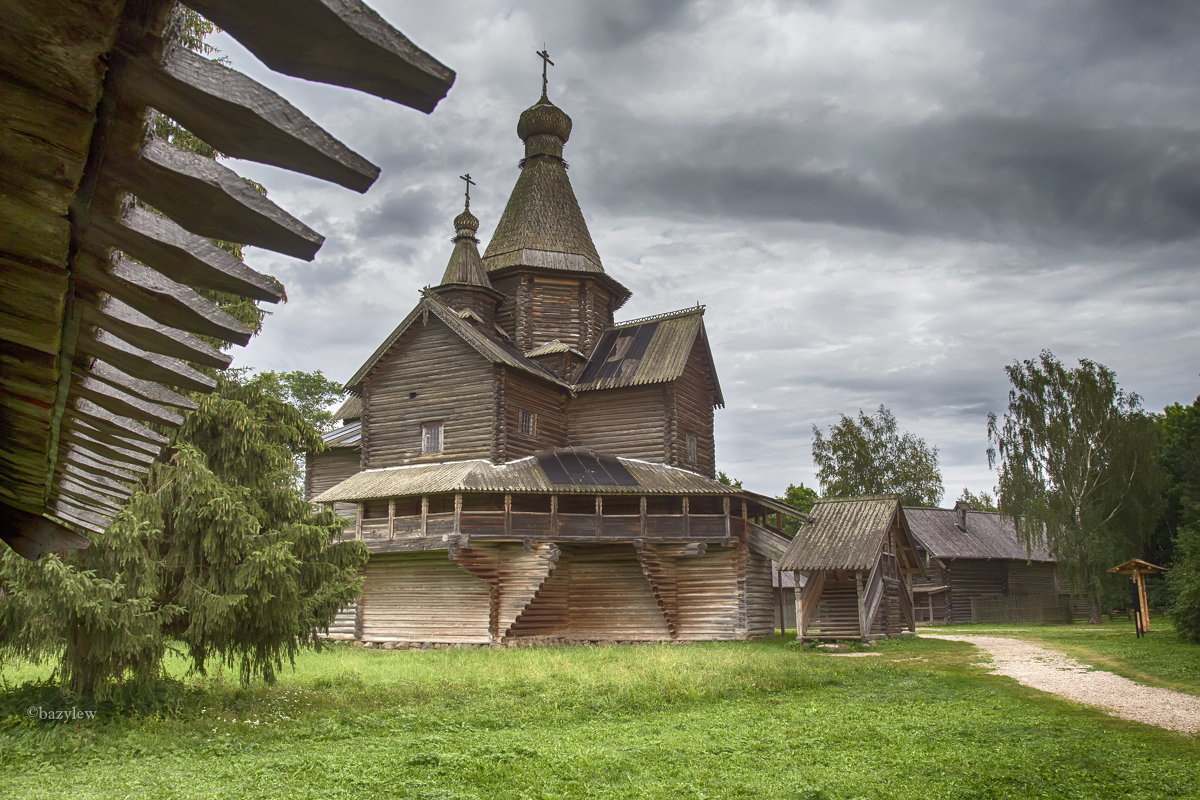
(739, 720)
(1160, 658)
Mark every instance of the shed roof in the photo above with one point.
(846, 533)
(348, 435)
(649, 350)
(988, 535)
(349, 410)
(487, 345)
(523, 475)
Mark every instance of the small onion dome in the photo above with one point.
(466, 224)
(544, 128)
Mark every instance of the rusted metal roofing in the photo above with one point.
(988, 535)
(645, 351)
(846, 533)
(520, 476)
(348, 435)
(487, 345)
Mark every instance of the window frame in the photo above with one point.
(426, 429)
(524, 415)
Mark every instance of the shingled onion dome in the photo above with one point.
(544, 128)
(465, 283)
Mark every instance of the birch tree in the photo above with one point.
(1076, 457)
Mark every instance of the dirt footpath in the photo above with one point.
(1052, 671)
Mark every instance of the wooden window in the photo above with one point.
(431, 437)
(691, 448)
(528, 423)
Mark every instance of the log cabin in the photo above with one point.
(102, 320)
(525, 469)
(858, 559)
(977, 571)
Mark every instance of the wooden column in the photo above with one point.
(862, 611)
(642, 512)
(687, 520)
(1140, 578)
(458, 512)
(554, 515)
(508, 515)
(599, 515)
(782, 619)
(358, 519)
(424, 515)
(725, 506)
(391, 518)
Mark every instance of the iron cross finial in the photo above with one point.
(470, 183)
(545, 61)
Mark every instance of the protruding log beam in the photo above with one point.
(107, 396)
(244, 119)
(75, 512)
(165, 300)
(147, 390)
(86, 496)
(139, 330)
(102, 419)
(95, 441)
(214, 201)
(119, 491)
(181, 255)
(142, 364)
(33, 535)
(342, 42)
(98, 464)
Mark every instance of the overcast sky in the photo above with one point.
(877, 202)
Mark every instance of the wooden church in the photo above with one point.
(523, 468)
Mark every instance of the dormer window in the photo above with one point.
(431, 437)
(528, 423)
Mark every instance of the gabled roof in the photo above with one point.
(484, 343)
(527, 474)
(846, 533)
(988, 535)
(649, 350)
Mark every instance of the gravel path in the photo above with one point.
(1052, 671)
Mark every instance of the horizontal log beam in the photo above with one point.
(164, 300)
(91, 440)
(110, 397)
(147, 390)
(103, 419)
(134, 327)
(211, 200)
(244, 119)
(183, 256)
(75, 512)
(96, 463)
(142, 364)
(342, 42)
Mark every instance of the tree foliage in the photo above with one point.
(977, 502)
(1075, 455)
(801, 497)
(310, 393)
(1179, 456)
(870, 456)
(728, 481)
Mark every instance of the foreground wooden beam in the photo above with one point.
(33, 535)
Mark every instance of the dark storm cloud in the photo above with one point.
(402, 212)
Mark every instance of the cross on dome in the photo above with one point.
(545, 56)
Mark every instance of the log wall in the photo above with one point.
(540, 308)
(973, 578)
(423, 597)
(760, 600)
(452, 383)
(837, 610)
(626, 422)
(692, 413)
(328, 469)
(547, 401)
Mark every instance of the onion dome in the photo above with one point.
(544, 128)
(466, 224)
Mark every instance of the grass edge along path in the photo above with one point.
(738, 720)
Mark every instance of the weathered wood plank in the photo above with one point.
(147, 390)
(342, 42)
(164, 300)
(183, 256)
(211, 200)
(134, 327)
(110, 397)
(98, 442)
(244, 119)
(33, 535)
(103, 419)
(143, 364)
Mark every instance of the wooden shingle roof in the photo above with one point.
(645, 351)
(846, 533)
(988, 535)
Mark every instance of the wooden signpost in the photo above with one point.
(1138, 569)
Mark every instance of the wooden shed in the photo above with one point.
(858, 557)
(977, 571)
(102, 318)
(530, 469)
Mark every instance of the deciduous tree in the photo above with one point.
(979, 502)
(1075, 454)
(871, 456)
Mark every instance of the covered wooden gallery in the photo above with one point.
(525, 468)
(103, 323)
(977, 571)
(859, 561)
